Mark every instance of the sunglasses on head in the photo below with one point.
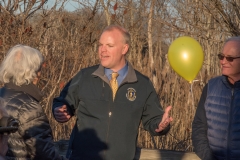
(228, 58)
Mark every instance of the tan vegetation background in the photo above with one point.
(69, 42)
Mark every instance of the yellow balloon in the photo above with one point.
(186, 57)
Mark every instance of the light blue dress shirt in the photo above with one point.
(122, 73)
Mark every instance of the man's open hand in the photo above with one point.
(165, 120)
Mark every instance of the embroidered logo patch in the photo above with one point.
(131, 94)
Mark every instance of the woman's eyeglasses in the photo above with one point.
(229, 59)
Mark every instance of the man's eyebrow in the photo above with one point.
(228, 55)
(106, 43)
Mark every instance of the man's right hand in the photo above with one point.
(61, 114)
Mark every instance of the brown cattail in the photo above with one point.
(45, 24)
(115, 7)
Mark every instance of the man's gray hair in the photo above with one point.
(233, 39)
(124, 32)
(20, 66)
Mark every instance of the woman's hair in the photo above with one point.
(21, 64)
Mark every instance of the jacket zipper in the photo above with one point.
(230, 121)
(109, 118)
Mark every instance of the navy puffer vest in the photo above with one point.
(223, 118)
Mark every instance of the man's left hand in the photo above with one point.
(165, 120)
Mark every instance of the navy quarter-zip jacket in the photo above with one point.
(107, 129)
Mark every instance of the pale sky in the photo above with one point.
(69, 5)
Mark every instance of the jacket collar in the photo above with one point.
(130, 77)
(30, 89)
(227, 83)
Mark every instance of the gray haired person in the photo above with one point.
(20, 72)
(216, 125)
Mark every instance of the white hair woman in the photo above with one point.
(20, 72)
(21, 65)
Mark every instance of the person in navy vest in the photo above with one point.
(216, 125)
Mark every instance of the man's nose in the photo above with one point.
(223, 61)
(103, 48)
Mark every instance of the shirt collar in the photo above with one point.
(122, 72)
(130, 75)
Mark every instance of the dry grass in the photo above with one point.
(69, 42)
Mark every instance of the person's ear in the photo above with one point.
(125, 49)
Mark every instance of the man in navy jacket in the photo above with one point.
(216, 125)
(107, 124)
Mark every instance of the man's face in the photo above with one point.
(231, 69)
(112, 48)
